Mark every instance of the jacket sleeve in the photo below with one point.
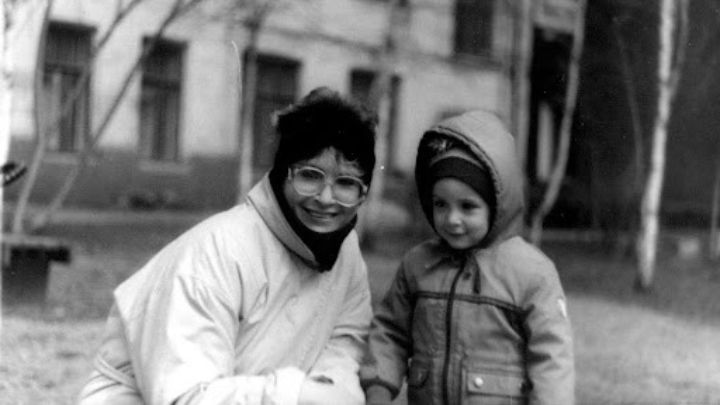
(389, 342)
(339, 361)
(182, 338)
(550, 349)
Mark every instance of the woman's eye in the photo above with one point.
(346, 182)
(311, 175)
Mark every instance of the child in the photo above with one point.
(476, 316)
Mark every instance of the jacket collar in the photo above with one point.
(263, 199)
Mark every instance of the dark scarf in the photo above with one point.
(324, 246)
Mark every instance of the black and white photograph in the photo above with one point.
(349, 202)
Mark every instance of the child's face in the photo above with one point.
(460, 214)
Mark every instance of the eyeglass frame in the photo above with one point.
(363, 191)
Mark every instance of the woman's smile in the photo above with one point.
(319, 214)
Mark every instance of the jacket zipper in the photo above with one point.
(448, 335)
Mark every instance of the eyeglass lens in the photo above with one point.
(309, 181)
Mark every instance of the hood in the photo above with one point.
(488, 140)
(262, 197)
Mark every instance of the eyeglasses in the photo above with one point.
(347, 191)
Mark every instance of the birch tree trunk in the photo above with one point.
(668, 77)
(558, 172)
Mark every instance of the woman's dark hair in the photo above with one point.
(324, 119)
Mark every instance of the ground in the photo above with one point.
(651, 348)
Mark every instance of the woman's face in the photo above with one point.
(320, 211)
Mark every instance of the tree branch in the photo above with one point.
(44, 217)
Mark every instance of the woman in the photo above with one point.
(267, 302)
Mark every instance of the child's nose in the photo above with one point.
(454, 217)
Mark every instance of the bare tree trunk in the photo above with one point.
(42, 218)
(6, 71)
(523, 13)
(631, 95)
(248, 91)
(379, 94)
(714, 247)
(41, 132)
(369, 221)
(558, 173)
(668, 77)
(621, 239)
(44, 131)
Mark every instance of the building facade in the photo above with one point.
(173, 137)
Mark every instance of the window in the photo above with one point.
(276, 88)
(361, 82)
(160, 101)
(473, 27)
(67, 51)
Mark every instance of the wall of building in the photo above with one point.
(328, 38)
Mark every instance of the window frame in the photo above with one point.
(63, 66)
(160, 125)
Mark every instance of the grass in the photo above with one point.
(45, 361)
(659, 347)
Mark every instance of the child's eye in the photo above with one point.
(438, 203)
(469, 206)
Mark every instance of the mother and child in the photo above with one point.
(269, 302)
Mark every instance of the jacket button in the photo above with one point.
(478, 382)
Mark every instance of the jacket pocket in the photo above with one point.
(419, 383)
(417, 376)
(496, 387)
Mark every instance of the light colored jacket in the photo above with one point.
(234, 312)
(485, 326)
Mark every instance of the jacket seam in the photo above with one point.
(472, 299)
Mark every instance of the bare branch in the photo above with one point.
(40, 129)
(41, 219)
(44, 131)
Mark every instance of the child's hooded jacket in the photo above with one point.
(485, 326)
